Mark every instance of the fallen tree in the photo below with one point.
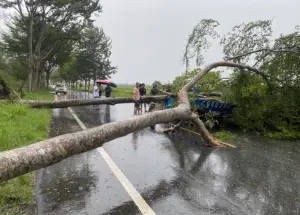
(19, 161)
(83, 102)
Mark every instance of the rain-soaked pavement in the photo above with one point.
(175, 174)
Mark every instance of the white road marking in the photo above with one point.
(133, 193)
(77, 119)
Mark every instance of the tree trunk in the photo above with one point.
(85, 85)
(36, 77)
(39, 77)
(84, 102)
(30, 57)
(29, 79)
(22, 160)
(47, 78)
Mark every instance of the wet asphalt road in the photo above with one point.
(175, 174)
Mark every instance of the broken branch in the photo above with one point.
(173, 128)
(261, 50)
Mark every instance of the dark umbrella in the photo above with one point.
(107, 82)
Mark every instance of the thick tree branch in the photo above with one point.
(261, 50)
(203, 72)
(172, 129)
(209, 139)
(45, 153)
(83, 102)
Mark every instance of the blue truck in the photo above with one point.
(205, 105)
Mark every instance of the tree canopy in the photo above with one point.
(44, 35)
(267, 101)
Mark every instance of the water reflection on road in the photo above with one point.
(175, 174)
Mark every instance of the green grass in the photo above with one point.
(122, 91)
(21, 125)
(41, 94)
(224, 135)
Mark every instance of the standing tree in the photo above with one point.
(36, 16)
(90, 57)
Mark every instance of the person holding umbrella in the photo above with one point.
(96, 93)
(107, 91)
(108, 87)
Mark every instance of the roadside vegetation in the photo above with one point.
(21, 125)
(267, 101)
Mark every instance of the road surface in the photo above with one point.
(170, 174)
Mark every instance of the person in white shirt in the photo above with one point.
(96, 93)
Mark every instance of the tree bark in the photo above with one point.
(261, 50)
(47, 78)
(83, 102)
(30, 57)
(19, 161)
(89, 84)
(39, 77)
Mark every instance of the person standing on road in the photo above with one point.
(100, 90)
(153, 92)
(107, 91)
(136, 98)
(143, 92)
(96, 93)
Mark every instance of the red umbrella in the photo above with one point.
(107, 82)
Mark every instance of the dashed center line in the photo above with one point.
(130, 189)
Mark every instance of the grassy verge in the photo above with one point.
(225, 135)
(19, 126)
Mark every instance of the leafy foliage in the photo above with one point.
(198, 41)
(42, 33)
(210, 82)
(90, 58)
(268, 104)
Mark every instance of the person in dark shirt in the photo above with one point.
(154, 91)
(143, 92)
(107, 91)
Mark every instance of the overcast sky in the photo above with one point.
(148, 36)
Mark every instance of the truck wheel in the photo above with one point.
(152, 127)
